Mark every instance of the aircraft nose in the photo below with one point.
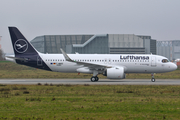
(174, 66)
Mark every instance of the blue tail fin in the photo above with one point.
(25, 53)
(20, 44)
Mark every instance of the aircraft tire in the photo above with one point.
(97, 78)
(93, 79)
(153, 80)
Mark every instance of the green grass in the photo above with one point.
(89, 102)
(12, 70)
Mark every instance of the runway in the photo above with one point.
(87, 81)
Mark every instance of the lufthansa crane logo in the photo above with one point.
(21, 46)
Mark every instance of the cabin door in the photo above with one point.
(39, 61)
(153, 61)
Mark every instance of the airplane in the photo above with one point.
(177, 60)
(114, 66)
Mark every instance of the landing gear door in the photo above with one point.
(153, 61)
(39, 61)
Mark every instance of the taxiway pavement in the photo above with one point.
(87, 81)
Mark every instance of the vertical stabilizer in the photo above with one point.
(20, 44)
(25, 54)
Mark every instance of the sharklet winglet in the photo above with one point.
(66, 56)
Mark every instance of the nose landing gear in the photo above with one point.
(152, 77)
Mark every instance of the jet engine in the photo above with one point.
(115, 73)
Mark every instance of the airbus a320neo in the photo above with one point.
(114, 66)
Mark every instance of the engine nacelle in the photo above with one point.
(115, 73)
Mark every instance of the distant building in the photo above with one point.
(100, 44)
(169, 49)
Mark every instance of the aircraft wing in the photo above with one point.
(92, 65)
(85, 64)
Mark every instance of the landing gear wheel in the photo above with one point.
(93, 79)
(153, 80)
(97, 78)
(152, 77)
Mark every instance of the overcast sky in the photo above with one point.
(158, 18)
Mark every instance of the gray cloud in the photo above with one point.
(158, 18)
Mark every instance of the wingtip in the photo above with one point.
(61, 50)
(66, 56)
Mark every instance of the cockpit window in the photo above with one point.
(165, 60)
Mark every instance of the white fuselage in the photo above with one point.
(131, 63)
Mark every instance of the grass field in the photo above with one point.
(12, 70)
(92, 102)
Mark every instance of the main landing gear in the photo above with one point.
(94, 79)
(152, 77)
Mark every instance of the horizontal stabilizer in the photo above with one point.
(15, 58)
